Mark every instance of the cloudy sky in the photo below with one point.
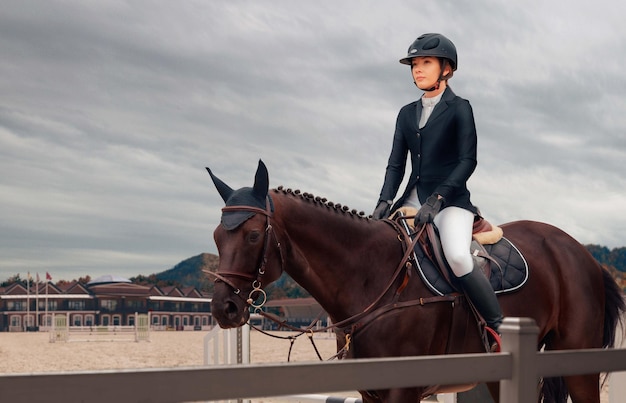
(110, 110)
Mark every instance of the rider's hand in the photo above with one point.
(429, 210)
(382, 210)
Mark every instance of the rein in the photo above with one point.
(404, 263)
(370, 310)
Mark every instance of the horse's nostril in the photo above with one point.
(230, 309)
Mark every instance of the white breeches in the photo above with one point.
(455, 230)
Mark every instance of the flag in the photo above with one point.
(37, 277)
(48, 276)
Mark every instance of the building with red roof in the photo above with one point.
(105, 301)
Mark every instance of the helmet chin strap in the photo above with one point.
(433, 88)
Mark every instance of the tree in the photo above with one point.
(12, 280)
(84, 280)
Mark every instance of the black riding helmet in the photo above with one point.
(435, 45)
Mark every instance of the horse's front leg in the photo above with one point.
(407, 395)
(494, 391)
(404, 395)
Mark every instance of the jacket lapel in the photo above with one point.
(441, 106)
(418, 113)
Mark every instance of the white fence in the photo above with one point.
(62, 331)
(227, 347)
(517, 368)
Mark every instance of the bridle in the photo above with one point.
(224, 276)
(369, 314)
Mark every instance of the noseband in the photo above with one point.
(255, 278)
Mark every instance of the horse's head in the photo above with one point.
(249, 252)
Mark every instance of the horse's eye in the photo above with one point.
(254, 236)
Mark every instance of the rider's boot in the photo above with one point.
(478, 289)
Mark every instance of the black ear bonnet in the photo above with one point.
(256, 196)
(243, 197)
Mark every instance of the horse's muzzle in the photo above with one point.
(229, 312)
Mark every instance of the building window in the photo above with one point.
(89, 320)
(105, 320)
(108, 304)
(164, 320)
(134, 305)
(52, 304)
(77, 320)
(117, 319)
(76, 305)
(16, 321)
(16, 306)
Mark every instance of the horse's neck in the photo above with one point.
(322, 234)
(330, 253)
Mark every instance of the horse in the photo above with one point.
(349, 263)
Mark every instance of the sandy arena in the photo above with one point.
(32, 352)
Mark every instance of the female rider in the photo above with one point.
(439, 131)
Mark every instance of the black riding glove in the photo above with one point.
(429, 210)
(382, 210)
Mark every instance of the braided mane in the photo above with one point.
(322, 202)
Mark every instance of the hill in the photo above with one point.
(615, 258)
(189, 273)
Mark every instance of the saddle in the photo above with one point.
(502, 263)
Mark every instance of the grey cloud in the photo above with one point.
(110, 111)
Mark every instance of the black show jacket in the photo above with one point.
(443, 152)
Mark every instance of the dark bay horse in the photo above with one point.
(347, 262)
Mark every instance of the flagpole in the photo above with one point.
(27, 300)
(48, 321)
(37, 303)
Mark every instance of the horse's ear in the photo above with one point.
(261, 181)
(224, 190)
